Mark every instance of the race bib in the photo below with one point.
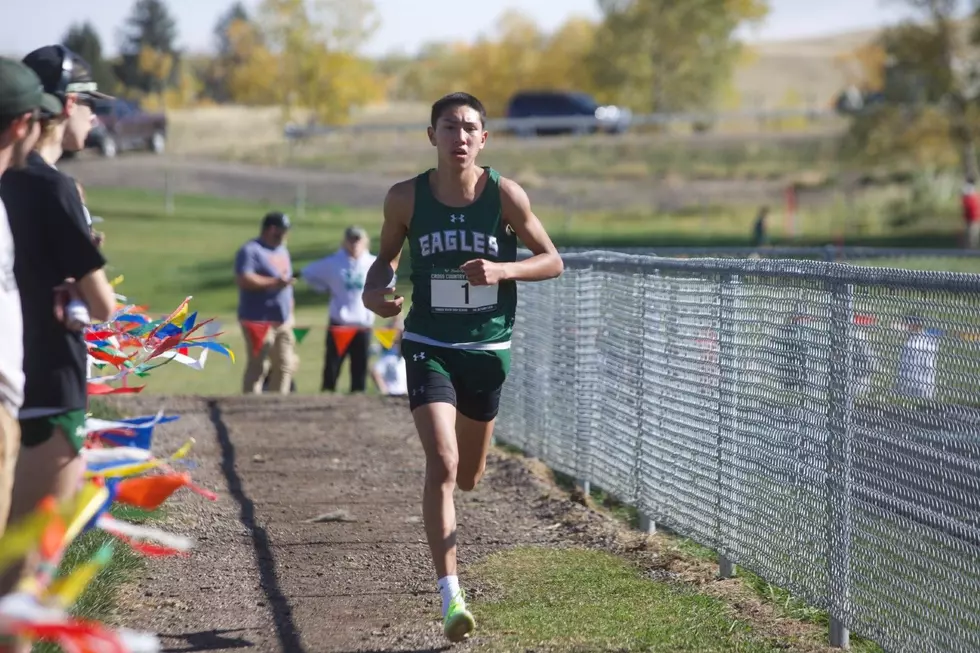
(452, 293)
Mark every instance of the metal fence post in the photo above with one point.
(839, 409)
(301, 200)
(648, 523)
(586, 352)
(727, 396)
(168, 192)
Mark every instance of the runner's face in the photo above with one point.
(459, 135)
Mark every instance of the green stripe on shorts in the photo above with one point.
(38, 430)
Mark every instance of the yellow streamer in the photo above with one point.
(65, 591)
(23, 537)
(386, 336)
(139, 468)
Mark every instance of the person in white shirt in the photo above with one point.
(917, 362)
(21, 98)
(389, 372)
(342, 274)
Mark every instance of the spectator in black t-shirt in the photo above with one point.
(56, 261)
(21, 98)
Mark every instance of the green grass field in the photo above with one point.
(591, 600)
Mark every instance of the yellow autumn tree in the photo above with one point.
(498, 64)
(186, 90)
(864, 67)
(516, 55)
(562, 62)
(663, 55)
(315, 46)
(254, 80)
(434, 72)
(158, 66)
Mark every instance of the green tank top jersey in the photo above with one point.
(446, 310)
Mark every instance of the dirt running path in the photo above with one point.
(263, 577)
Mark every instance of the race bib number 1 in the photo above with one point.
(452, 293)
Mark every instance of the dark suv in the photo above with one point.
(568, 109)
(123, 125)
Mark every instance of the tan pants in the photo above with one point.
(277, 358)
(9, 449)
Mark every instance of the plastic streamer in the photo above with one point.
(132, 343)
(257, 331)
(121, 469)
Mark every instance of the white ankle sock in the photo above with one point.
(448, 588)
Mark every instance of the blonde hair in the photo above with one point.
(49, 127)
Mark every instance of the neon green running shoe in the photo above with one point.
(459, 622)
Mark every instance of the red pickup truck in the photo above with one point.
(123, 125)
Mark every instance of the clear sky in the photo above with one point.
(406, 24)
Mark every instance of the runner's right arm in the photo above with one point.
(381, 275)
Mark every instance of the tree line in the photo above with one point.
(918, 100)
(649, 55)
(918, 82)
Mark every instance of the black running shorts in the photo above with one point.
(470, 380)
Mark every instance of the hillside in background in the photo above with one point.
(805, 68)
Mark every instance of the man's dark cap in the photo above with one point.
(276, 219)
(21, 90)
(63, 71)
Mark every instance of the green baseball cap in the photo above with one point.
(21, 90)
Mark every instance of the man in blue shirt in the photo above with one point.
(264, 273)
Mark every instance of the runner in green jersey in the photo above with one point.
(462, 222)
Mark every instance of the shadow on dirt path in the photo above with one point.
(282, 614)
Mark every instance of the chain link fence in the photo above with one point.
(824, 253)
(815, 422)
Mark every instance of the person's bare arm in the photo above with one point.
(397, 215)
(248, 279)
(253, 281)
(98, 295)
(545, 263)
(379, 381)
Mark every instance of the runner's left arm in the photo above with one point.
(545, 263)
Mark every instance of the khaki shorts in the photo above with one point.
(9, 449)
